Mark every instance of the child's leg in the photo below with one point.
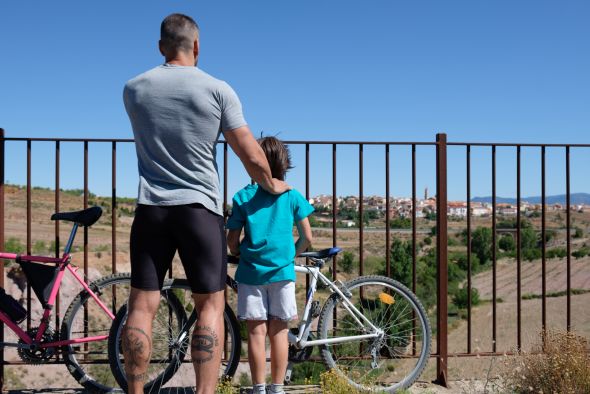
(257, 350)
(282, 308)
(279, 349)
(252, 307)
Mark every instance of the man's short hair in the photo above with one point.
(177, 33)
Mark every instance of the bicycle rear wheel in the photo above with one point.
(394, 359)
(171, 335)
(88, 362)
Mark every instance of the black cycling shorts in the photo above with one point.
(198, 235)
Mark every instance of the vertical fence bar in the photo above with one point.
(518, 254)
(86, 243)
(114, 211)
(414, 242)
(307, 198)
(414, 218)
(56, 225)
(225, 195)
(441, 251)
(334, 213)
(114, 220)
(387, 213)
(225, 172)
(29, 148)
(2, 160)
(568, 236)
(334, 209)
(225, 217)
(543, 243)
(468, 160)
(361, 212)
(494, 208)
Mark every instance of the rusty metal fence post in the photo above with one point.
(2, 248)
(441, 256)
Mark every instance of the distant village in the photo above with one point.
(401, 207)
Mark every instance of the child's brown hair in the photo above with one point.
(278, 156)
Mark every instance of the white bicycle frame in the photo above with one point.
(300, 340)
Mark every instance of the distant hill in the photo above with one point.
(575, 199)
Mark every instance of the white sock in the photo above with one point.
(259, 389)
(276, 388)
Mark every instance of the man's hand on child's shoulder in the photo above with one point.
(277, 186)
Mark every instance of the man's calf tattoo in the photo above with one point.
(203, 344)
(136, 348)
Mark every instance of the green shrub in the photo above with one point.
(556, 253)
(578, 233)
(583, 251)
(534, 214)
(14, 245)
(531, 254)
(400, 222)
(549, 235)
(481, 244)
(333, 383)
(460, 297)
(462, 262)
(39, 247)
(507, 243)
(452, 242)
(347, 262)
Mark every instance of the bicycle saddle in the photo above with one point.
(321, 254)
(86, 217)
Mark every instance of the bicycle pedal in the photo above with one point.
(288, 373)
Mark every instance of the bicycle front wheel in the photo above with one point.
(88, 361)
(391, 360)
(171, 334)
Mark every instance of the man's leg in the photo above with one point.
(257, 350)
(207, 340)
(137, 334)
(279, 349)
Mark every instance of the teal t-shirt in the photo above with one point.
(267, 252)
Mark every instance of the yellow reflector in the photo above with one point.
(386, 298)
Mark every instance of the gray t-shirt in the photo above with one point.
(177, 114)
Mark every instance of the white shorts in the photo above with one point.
(274, 301)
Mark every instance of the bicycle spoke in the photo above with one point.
(381, 362)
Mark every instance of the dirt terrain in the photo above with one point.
(531, 274)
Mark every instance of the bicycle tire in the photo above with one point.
(175, 347)
(88, 363)
(386, 364)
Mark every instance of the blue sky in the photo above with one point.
(481, 71)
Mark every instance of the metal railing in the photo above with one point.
(543, 239)
(441, 354)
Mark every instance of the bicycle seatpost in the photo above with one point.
(71, 239)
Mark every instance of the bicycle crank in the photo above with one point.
(34, 354)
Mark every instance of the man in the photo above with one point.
(177, 113)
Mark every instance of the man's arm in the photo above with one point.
(305, 236)
(233, 241)
(250, 153)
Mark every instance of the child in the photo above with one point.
(266, 273)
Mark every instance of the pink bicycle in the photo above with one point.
(82, 339)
